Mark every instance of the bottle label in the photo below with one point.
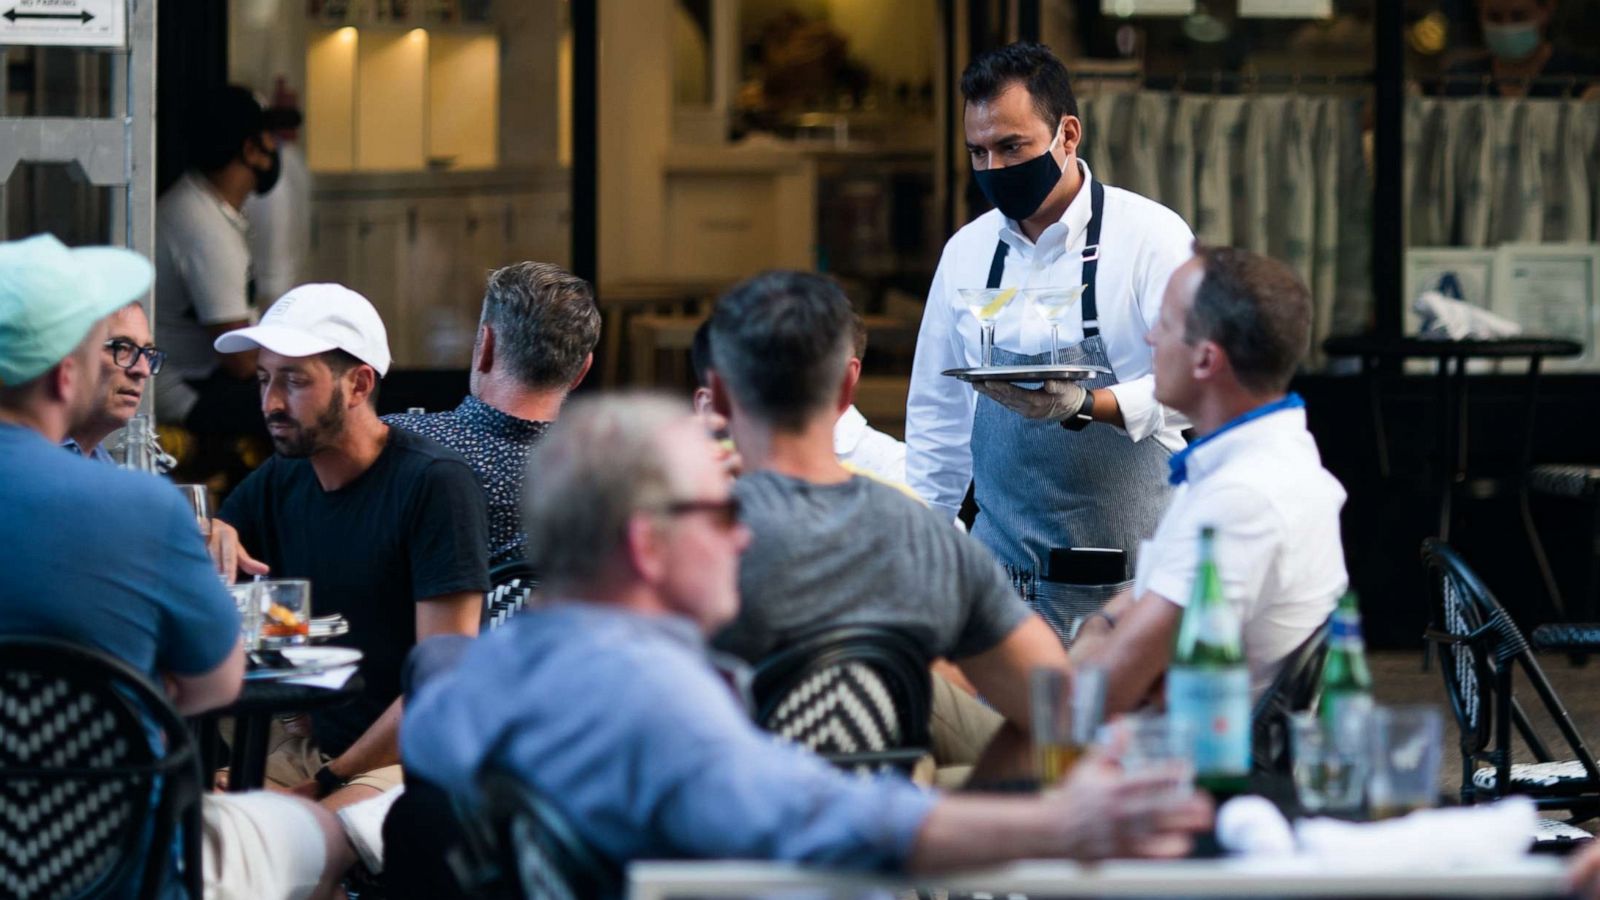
(1215, 705)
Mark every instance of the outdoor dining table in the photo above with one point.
(252, 712)
(1531, 876)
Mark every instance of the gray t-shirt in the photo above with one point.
(862, 553)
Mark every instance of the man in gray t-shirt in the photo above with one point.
(861, 553)
(831, 548)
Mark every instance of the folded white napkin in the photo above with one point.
(1452, 320)
(1437, 838)
(332, 679)
(363, 824)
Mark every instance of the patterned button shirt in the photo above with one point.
(496, 445)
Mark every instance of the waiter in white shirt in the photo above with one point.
(1072, 465)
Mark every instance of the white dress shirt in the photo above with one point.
(1141, 243)
(1276, 511)
(859, 444)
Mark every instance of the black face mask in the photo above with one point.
(1018, 191)
(266, 178)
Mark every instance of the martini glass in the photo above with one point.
(985, 305)
(1053, 305)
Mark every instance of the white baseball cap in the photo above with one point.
(316, 318)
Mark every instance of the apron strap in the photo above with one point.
(997, 267)
(1091, 258)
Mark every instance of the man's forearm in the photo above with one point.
(964, 832)
(377, 747)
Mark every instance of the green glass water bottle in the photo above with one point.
(1208, 686)
(1346, 680)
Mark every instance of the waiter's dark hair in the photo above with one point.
(781, 341)
(1038, 70)
(1257, 310)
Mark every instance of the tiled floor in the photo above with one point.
(1398, 678)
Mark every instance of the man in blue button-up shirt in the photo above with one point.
(605, 700)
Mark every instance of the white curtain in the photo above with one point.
(1280, 174)
(1484, 171)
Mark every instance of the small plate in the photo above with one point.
(307, 661)
(1027, 373)
(324, 627)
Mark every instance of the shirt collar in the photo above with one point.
(1210, 453)
(98, 454)
(848, 430)
(483, 417)
(1054, 240)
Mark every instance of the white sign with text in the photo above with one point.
(64, 23)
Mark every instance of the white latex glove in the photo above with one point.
(1055, 400)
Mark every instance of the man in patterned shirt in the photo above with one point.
(535, 343)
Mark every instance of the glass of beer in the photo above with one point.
(1405, 744)
(1067, 710)
(285, 611)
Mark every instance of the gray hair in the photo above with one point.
(601, 463)
(545, 322)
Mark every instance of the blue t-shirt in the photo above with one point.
(106, 557)
(112, 559)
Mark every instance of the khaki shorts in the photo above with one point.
(259, 846)
(960, 727)
(293, 759)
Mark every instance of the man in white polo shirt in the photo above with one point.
(1233, 327)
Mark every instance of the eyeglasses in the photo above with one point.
(126, 354)
(725, 514)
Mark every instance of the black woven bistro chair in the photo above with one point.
(1481, 649)
(1296, 688)
(86, 799)
(857, 695)
(518, 846)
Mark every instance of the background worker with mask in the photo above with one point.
(1071, 465)
(1521, 60)
(203, 278)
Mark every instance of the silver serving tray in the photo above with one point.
(1026, 373)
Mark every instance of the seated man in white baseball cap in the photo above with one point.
(111, 559)
(390, 527)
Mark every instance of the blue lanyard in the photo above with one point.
(1180, 460)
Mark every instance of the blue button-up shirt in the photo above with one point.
(496, 445)
(98, 454)
(620, 721)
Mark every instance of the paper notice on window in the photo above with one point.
(1285, 9)
(1126, 8)
(1551, 290)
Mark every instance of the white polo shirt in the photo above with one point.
(202, 279)
(1141, 243)
(1278, 551)
(859, 444)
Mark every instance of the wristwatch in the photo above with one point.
(327, 782)
(1085, 414)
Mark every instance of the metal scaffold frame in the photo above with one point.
(117, 151)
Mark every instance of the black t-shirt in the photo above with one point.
(413, 526)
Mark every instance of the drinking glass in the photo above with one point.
(1405, 745)
(1053, 305)
(985, 304)
(1330, 763)
(285, 611)
(245, 599)
(1154, 743)
(199, 497)
(1067, 708)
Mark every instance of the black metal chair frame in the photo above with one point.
(894, 655)
(513, 825)
(1296, 688)
(134, 700)
(1480, 649)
